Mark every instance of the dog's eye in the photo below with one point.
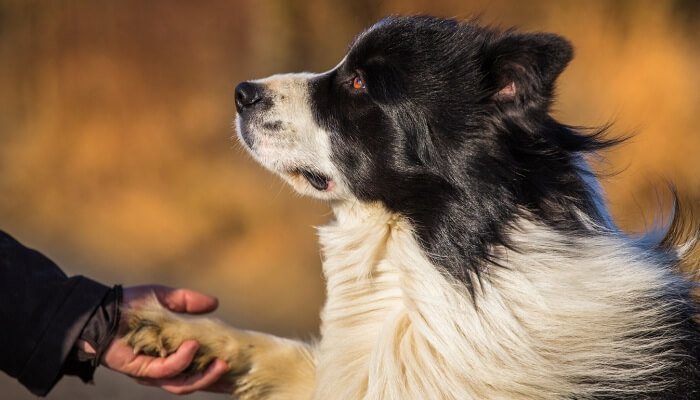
(357, 83)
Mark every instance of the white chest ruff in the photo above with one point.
(395, 327)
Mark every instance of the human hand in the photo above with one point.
(165, 372)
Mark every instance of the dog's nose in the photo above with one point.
(247, 95)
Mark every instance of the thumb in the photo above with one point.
(185, 300)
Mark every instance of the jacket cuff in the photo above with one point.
(99, 332)
(44, 367)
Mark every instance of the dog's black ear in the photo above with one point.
(524, 66)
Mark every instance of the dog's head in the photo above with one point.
(445, 123)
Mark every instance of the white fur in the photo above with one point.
(300, 143)
(394, 327)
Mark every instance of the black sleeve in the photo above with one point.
(44, 312)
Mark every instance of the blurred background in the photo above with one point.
(117, 158)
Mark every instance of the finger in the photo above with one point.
(188, 384)
(198, 381)
(185, 300)
(156, 367)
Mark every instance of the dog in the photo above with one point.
(471, 255)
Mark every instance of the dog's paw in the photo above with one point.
(146, 337)
(155, 331)
(260, 366)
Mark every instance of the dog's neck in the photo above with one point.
(365, 297)
(391, 315)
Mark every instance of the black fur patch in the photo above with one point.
(431, 138)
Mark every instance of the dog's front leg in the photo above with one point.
(261, 366)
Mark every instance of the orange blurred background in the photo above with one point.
(117, 158)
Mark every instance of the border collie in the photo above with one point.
(471, 255)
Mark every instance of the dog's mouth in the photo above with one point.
(316, 179)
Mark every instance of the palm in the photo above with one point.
(165, 371)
